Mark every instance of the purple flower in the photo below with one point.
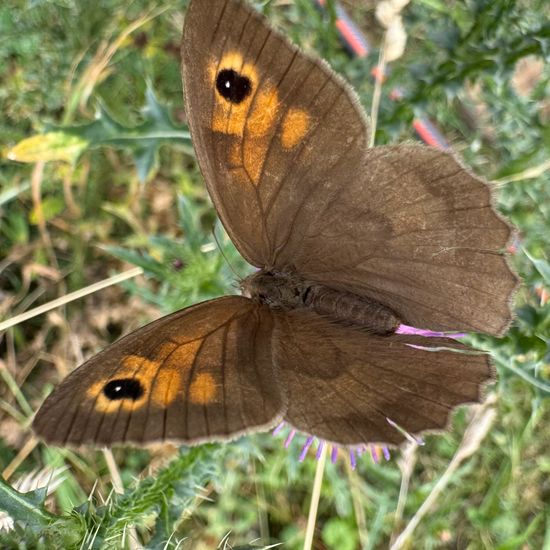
(336, 450)
(406, 329)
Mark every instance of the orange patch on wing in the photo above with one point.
(235, 158)
(252, 120)
(264, 113)
(167, 387)
(170, 379)
(261, 121)
(230, 118)
(165, 374)
(232, 60)
(295, 126)
(203, 389)
(131, 366)
(183, 355)
(105, 405)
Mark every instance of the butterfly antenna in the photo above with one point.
(239, 278)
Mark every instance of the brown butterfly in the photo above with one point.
(351, 241)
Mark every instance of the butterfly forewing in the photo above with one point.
(269, 148)
(199, 374)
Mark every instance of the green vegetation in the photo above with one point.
(99, 84)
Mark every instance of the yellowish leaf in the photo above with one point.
(48, 147)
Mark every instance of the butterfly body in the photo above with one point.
(286, 290)
(349, 241)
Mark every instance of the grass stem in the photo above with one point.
(358, 508)
(114, 472)
(475, 433)
(130, 273)
(378, 81)
(315, 494)
(23, 453)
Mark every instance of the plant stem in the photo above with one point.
(315, 494)
(134, 272)
(358, 506)
(406, 465)
(23, 453)
(475, 433)
(114, 472)
(381, 69)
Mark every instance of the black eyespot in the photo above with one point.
(123, 388)
(233, 86)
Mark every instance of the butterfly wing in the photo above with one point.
(282, 142)
(199, 374)
(270, 125)
(415, 231)
(348, 386)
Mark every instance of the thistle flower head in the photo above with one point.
(353, 452)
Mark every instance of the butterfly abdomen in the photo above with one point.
(351, 309)
(286, 290)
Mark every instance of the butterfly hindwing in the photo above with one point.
(347, 386)
(199, 374)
